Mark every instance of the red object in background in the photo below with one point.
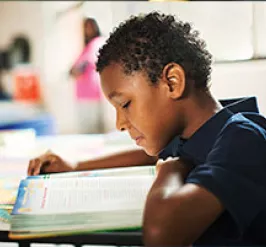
(27, 87)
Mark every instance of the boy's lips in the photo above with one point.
(138, 139)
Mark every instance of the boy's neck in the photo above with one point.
(201, 108)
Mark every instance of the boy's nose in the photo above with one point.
(121, 122)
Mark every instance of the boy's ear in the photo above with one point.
(174, 78)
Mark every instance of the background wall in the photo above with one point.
(234, 32)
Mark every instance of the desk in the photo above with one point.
(106, 238)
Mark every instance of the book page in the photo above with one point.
(73, 195)
(123, 171)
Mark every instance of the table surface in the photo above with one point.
(105, 238)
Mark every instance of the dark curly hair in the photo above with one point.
(149, 42)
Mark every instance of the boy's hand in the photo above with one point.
(172, 165)
(48, 163)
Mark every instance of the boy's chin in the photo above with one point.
(151, 151)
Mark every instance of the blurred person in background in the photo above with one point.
(87, 80)
(3, 66)
(3, 94)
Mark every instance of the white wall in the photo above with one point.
(259, 29)
(240, 80)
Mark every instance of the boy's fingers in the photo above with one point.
(170, 158)
(160, 161)
(35, 167)
(30, 168)
(41, 164)
(44, 166)
(36, 171)
(158, 165)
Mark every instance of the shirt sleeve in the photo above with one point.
(234, 172)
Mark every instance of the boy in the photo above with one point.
(211, 185)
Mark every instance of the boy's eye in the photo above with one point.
(126, 105)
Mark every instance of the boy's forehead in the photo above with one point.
(117, 84)
(113, 78)
(114, 81)
(113, 72)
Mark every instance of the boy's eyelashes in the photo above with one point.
(126, 105)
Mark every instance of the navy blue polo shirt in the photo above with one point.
(229, 157)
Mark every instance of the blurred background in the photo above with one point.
(41, 42)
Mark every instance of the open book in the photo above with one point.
(9, 184)
(61, 205)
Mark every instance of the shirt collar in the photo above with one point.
(197, 147)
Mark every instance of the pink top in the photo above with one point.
(88, 84)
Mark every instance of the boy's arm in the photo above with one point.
(51, 163)
(133, 157)
(176, 214)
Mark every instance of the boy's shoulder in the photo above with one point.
(245, 128)
(241, 139)
(241, 125)
(235, 123)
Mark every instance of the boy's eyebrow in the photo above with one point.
(114, 94)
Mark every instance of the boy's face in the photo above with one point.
(144, 110)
